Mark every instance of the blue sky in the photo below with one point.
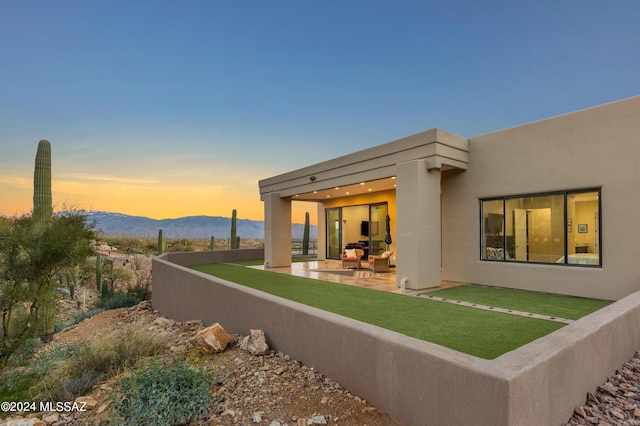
(167, 108)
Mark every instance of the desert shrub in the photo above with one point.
(81, 316)
(59, 326)
(72, 387)
(140, 292)
(23, 384)
(25, 352)
(120, 300)
(15, 385)
(72, 376)
(155, 396)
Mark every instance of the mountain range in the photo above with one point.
(118, 224)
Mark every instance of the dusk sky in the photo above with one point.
(177, 108)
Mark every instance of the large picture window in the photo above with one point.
(560, 228)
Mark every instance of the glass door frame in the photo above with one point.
(333, 232)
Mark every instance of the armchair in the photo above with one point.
(351, 258)
(380, 263)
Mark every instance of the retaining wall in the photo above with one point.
(416, 382)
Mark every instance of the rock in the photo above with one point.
(257, 417)
(163, 322)
(86, 402)
(25, 422)
(212, 339)
(580, 412)
(317, 420)
(616, 412)
(51, 418)
(255, 343)
(178, 349)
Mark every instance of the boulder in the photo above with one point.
(51, 418)
(164, 322)
(212, 339)
(86, 402)
(255, 343)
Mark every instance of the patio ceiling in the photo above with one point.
(348, 190)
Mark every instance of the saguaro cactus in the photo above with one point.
(42, 201)
(76, 273)
(104, 292)
(48, 309)
(212, 246)
(42, 215)
(98, 271)
(305, 235)
(160, 242)
(232, 239)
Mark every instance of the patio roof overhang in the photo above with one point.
(369, 170)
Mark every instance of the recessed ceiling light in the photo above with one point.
(347, 192)
(328, 196)
(369, 189)
(315, 192)
(337, 187)
(361, 183)
(393, 177)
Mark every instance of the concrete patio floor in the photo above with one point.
(330, 270)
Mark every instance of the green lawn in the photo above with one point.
(256, 262)
(484, 334)
(538, 303)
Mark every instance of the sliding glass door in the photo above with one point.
(378, 215)
(362, 225)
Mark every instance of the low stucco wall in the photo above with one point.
(417, 382)
(216, 256)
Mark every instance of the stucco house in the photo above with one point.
(549, 206)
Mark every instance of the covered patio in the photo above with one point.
(354, 193)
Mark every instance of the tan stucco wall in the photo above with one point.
(277, 230)
(597, 147)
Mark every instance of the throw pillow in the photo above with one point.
(351, 253)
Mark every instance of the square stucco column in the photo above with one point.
(322, 232)
(418, 225)
(277, 231)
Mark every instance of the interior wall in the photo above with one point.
(352, 217)
(585, 215)
(540, 246)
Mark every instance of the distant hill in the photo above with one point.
(117, 224)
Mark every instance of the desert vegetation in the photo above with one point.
(56, 272)
(53, 274)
